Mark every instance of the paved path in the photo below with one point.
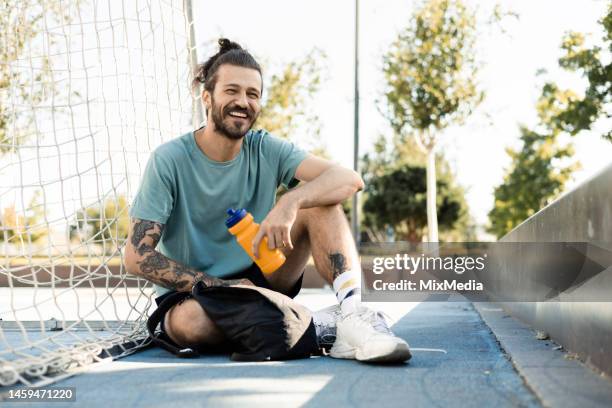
(467, 369)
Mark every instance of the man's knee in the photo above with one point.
(188, 325)
(324, 213)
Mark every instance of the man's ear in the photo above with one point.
(206, 99)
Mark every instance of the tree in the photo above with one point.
(538, 173)
(431, 73)
(286, 103)
(532, 181)
(25, 81)
(286, 100)
(395, 194)
(398, 199)
(576, 113)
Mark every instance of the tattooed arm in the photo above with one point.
(143, 260)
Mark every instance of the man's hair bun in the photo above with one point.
(226, 45)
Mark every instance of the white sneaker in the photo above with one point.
(326, 321)
(365, 336)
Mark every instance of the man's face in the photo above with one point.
(236, 100)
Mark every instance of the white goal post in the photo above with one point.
(88, 88)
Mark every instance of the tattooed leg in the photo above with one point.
(331, 242)
(338, 264)
(324, 233)
(335, 254)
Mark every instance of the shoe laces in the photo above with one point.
(327, 317)
(376, 319)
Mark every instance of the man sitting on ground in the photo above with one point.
(178, 235)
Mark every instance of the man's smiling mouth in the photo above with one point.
(240, 115)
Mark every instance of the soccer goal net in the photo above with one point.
(88, 89)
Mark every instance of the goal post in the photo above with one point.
(87, 90)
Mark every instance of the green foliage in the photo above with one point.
(17, 228)
(430, 73)
(104, 223)
(286, 98)
(576, 112)
(398, 198)
(430, 69)
(538, 174)
(395, 194)
(533, 180)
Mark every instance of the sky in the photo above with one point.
(281, 31)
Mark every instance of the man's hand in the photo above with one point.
(276, 227)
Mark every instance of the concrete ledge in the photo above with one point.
(581, 215)
(554, 375)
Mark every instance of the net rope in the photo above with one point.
(86, 93)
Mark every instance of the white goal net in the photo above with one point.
(88, 88)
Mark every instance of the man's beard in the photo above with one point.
(230, 130)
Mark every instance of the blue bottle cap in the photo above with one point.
(234, 216)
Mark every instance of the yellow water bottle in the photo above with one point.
(241, 224)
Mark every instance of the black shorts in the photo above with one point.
(252, 273)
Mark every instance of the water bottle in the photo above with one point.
(241, 224)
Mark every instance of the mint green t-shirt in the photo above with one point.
(189, 193)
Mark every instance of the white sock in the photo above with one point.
(350, 304)
(347, 288)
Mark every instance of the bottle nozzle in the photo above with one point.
(234, 216)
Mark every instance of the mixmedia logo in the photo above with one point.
(412, 264)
